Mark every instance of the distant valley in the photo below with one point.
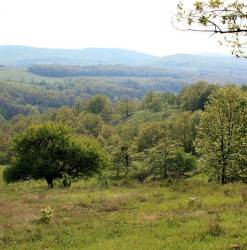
(125, 63)
(34, 80)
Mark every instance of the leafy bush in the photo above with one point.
(66, 180)
(45, 215)
(49, 152)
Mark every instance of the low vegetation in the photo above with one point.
(190, 214)
(128, 174)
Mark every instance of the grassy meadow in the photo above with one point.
(189, 215)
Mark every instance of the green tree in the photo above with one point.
(195, 96)
(148, 136)
(170, 99)
(126, 107)
(66, 116)
(158, 158)
(182, 128)
(168, 160)
(153, 101)
(98, 104)
(226, 18)
(89, 124)
(48, 152)
(122, 159)
(222, 134)
(181, 163)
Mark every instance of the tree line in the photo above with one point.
(161, 137)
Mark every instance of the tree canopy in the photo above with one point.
(195, 96)
(48, 152)
(222, 134)
(226, 18)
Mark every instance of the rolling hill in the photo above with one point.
(102, 62)
(24, 56)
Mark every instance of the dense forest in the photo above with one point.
(100, 70)
(25, 93)
(161, 136)
(40, 87)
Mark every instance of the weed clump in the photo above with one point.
(66, 180)
(45, 215)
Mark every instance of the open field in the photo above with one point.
(87, 216)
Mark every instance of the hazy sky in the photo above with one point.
(141, 25)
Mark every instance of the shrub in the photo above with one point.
(66, 181)
(45, 215)
(49, 152)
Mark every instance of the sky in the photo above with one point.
(140, 25)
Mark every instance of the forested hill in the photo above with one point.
(186, 71)
(56, 70)
(25, 56)
(120, 62)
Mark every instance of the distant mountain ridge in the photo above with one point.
(212, 67)
(25, 56)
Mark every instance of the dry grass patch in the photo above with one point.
(152, 217)
(17, 212)
(112, 204)
(244, 195)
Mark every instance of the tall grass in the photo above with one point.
(86, 216)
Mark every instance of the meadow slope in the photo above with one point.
(87, 216)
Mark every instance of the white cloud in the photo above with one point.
(142, 25)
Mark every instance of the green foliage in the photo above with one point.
(159, 158)
(48, 151)
(227, 18)
(89, 124)
(148, 136)
(45, 215)
(4, 158)
(221, 138)
(126, 107)
(153, 101)
(66, 180)
(122, 158)
(195, 96)
(97, 104)
(167, 161)
(182, 128)
(181, 163)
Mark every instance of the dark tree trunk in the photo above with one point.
(49, 181)
(223, 175)
(127, 166)
(218, 177)
(118, 172)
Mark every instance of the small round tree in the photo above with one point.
(48, 152)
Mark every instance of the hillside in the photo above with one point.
(142, 217)
(23, 55)
(226, 68)
(120, 62)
